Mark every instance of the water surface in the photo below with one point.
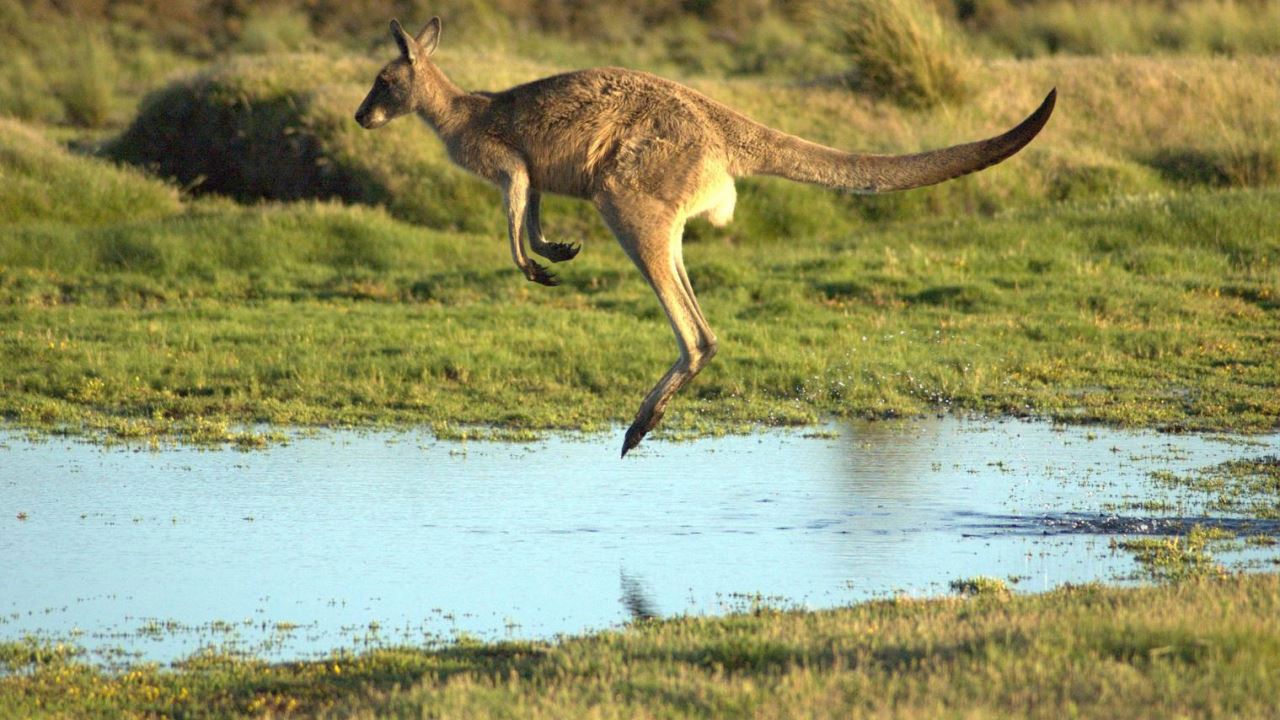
(343, 539)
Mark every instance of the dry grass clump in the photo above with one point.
(899, 50)
(239, 129)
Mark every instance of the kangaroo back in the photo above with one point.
(772, 152)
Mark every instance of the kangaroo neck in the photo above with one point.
(438, 99)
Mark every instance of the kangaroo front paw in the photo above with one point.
(536, 273)
(558, 252)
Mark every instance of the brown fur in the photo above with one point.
(650, 153)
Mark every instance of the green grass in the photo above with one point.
(1198, 648)
(130, 311)
(1100, 27)
(138, 315)
(1157, 311)
(132, 45)
(41, 183)
(1124, 269)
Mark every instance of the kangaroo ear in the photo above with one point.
(408, 46)
(430, 36)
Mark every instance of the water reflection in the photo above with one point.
(636, 599)
(304, 548)
(886, 462)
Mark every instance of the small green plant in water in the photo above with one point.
(1178, 557)
(1250, 486)
(981, 586)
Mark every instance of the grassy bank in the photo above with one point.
(1156, 310)
(1201, 648)
(142, 315)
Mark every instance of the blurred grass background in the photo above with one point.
(194, 165)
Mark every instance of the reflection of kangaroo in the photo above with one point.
(650, 154)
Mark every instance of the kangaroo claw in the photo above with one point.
(536, 273)
(638, 430)
(559, 252)
(634, 436)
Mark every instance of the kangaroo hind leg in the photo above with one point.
(651, 237)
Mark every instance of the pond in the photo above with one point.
(352, 539)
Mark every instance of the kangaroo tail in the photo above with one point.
(791, 157)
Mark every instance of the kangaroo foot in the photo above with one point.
(638, 430)
(536, 273)
(558, 252)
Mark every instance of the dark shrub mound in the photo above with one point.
(281, 128)
(235, 130)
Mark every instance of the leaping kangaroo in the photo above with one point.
(650, 154)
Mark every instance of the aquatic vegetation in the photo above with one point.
(981, 586)
(1249, 487)
(1177, 557)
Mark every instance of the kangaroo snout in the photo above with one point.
(370, 119)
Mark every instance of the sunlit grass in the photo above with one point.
(1156, 311)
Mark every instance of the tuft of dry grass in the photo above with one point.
(899, 50)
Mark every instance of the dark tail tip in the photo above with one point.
(886, 173)
(1003, 146)
(1031, 127)
(1043, 112)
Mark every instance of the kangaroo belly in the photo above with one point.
(570, 156)
(563, 178)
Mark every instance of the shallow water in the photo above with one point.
(349, 539)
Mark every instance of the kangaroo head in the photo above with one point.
(395, 90)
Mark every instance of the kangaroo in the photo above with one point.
(650, 154)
